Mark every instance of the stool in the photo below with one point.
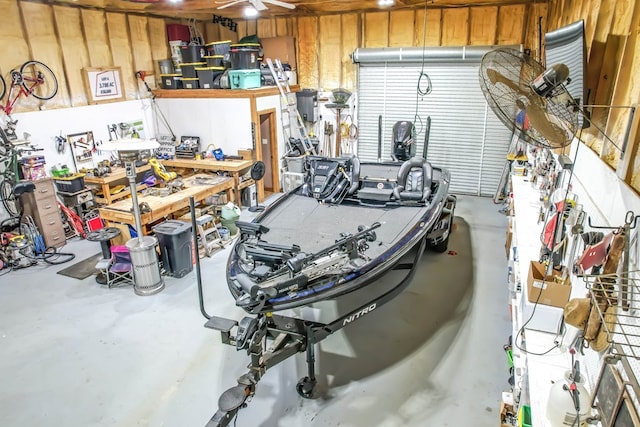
(208, 243)
(104, 236)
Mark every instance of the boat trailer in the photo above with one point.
(269, 338)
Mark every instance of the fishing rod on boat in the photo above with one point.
(347, 243)
(301, 265)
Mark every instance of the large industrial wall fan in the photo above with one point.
(530, 99)
(257, 4)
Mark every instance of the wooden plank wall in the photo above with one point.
(324, 44)
(613, 46)
(69, 39)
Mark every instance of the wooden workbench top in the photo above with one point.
(192, 187)
(115, 174)
(210, 164)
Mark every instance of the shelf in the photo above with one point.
(538, 323)
(221, 93)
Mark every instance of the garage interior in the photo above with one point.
(526, 315)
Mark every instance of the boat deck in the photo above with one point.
(318, 226)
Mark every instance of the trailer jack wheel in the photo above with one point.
(305, 387)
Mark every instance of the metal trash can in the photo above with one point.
(176, 247)
(146, 271)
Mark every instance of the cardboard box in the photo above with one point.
(282, 48)
(508, 240)
(555, 291)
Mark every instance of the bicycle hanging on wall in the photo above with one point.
(33, 79)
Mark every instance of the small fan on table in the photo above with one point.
(528, 98)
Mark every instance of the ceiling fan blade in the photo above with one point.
(258, 5)
(229, 3)
(281, 4)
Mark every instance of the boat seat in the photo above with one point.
(414, 180)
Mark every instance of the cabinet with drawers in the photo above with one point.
(42, 206)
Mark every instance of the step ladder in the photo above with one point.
(209, 238)
(290, 108)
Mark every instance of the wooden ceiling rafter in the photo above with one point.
(203, 10)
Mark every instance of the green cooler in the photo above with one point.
(244, 79)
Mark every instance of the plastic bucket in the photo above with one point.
(166, 66)
(146, 271)
(228, 217)
(225, 234)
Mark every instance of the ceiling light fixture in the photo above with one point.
(385, 3)
(175, 1)
(250, 12)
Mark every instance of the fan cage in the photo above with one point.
(505, 78)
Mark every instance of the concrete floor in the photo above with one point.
(73, 353)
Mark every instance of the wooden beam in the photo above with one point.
(330, 55)
(351, 40)
(455, 27)
(74, 51)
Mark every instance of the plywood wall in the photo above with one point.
(325, 43)
(613, 47)
(71, 39)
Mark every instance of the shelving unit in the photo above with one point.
(538, 361)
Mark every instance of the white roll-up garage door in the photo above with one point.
(465, 136)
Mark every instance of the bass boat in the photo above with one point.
(348, 224)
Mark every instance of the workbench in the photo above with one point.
(233, 167)
(163, 207)
(117, 176)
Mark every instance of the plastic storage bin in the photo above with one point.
(206, 76)
(70, 184)
(193, 53)
(244, 56)
(190, 83)
(215, 60)
(171, 81)
(244, 79)
(218, 48)
(188, 69)
(176, 247)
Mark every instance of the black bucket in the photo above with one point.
(245, 56)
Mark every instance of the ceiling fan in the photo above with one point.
(259, 5)
(530, 99)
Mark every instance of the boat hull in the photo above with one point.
(296, 220)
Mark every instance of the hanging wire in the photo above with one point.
(424, 87)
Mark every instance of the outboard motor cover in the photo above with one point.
(404, 146)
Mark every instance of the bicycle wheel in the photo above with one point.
(9, 199)
(3, 87)
(38, 80)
